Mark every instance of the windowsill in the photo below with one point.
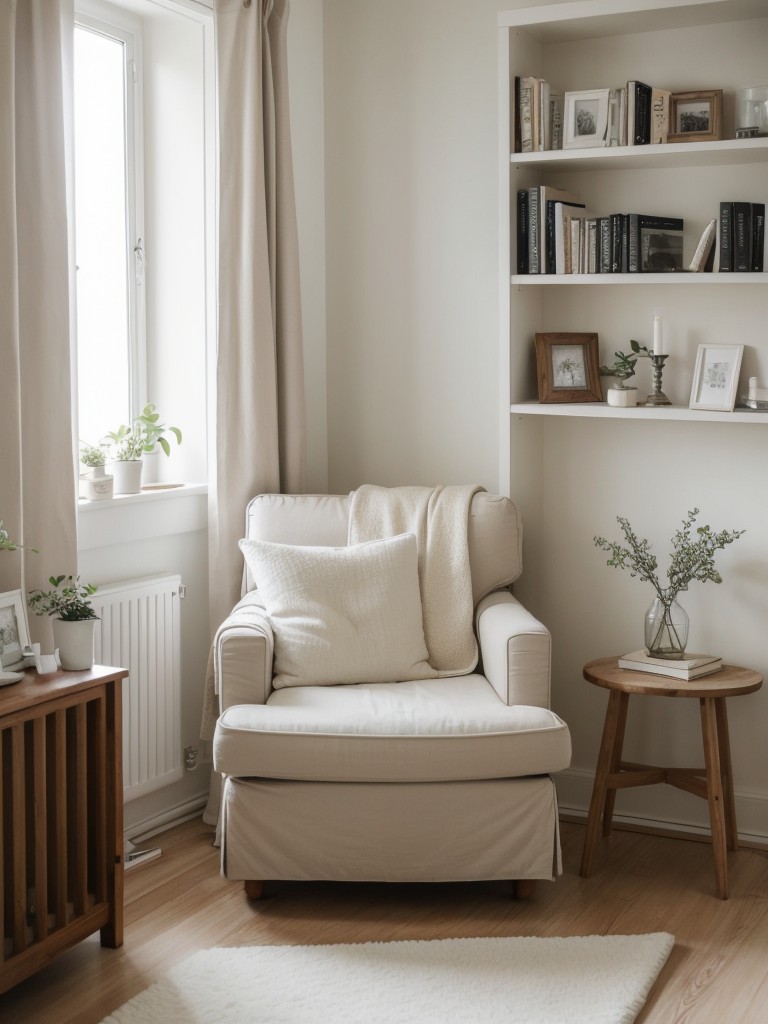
(150, 492)
(159, 511)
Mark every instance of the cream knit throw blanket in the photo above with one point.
(439, 517)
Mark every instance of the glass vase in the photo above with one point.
(666, 630)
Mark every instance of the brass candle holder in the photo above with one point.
(657, 396)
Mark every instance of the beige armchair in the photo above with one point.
(423, 779)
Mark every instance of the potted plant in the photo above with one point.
(619, 395)
(131, 443)
(94, 483)
(73, 618)
(693, 558)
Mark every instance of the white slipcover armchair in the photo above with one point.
(443, 779)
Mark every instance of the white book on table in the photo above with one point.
(691, 667)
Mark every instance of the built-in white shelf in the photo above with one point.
(598, 410)
(635, 279)
(730, 152)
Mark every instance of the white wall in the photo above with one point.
(411, 250)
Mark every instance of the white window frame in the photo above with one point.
(113, 23)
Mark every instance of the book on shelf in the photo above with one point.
(691, 667)
(538, 197)
(758, 236)
(655, 244)
(525, 112)
(704, 257)
(660, 103)
(603, 245)
(538, 115)
(616, 117)
(522, 231)
(561, 214)
(638, 113)
(725, 261)
(742, 237)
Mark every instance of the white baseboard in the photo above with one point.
(139, 831)
(663, 808)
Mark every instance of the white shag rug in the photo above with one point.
(597, 979)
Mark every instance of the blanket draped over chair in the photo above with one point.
(438, 516)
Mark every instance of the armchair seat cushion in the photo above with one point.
(439, 730)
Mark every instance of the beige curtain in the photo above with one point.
(37, 468)
(260, 443)
(260, 418)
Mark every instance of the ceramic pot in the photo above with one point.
(74, 641)
(622, 398)
(127, 476)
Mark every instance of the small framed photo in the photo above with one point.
(568, 368)
(13, 630)
(716, 377)
(696, 116)
(585, 118)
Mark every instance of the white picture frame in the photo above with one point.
(13, 630)
(585, 118)
(716, 377)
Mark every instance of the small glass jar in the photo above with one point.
(752, 111)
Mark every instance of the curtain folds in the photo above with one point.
(260, 418)
(260, 422)
(37, 465)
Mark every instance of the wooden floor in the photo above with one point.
(716, 974)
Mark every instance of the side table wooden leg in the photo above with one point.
(726, 773)
(715, 793)
(610, 750)
(618, 746)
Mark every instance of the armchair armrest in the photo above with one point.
(516, 650)
(243, 649)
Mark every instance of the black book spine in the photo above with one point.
(643, 95)
(624, 243)
(742, 237)
(758, 236)
(615, 243)
(533, 231)
(549, 250)
(726, 237)
(518, 141)
(604, 245)
(633, 245)
(522, 231)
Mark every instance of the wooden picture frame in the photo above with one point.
(568, 368)
(716, 377)
(696, 116)
(585, 119)
(13, 630)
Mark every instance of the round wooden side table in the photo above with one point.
(714, 782)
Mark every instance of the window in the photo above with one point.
(109, 231)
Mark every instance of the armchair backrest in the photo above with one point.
(494, 531)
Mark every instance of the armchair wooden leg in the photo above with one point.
(524, 888)
(254, 890)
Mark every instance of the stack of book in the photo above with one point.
(538, 116)
(692, 667)
(555, 235)
(742, 237)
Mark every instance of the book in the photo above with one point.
(638, 113)
(742, 237)
(544, 123)
(517, 142)
(588, 258)
(525, 113)
(758, 236)
(615, 116)
(522, 231)
(538, 196)
(562, 212)
(725, 261)
(660, 102)
(603, 245)
(704, 256)
(616, 229)
(693, 667)
(655, 244)
(556, 121)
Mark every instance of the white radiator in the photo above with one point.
(139, 630)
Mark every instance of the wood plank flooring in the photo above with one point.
(717, 973)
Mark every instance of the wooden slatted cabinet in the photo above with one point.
(61, 816)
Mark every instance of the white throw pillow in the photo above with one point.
(342, 615)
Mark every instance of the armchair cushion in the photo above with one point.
(437, 730)
(342, 615)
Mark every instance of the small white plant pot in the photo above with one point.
(622, 398)
(127, 476)
(74, 642)
(96, 485)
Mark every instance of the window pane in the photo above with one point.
(101, 241)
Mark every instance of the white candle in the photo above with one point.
(657, 349)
